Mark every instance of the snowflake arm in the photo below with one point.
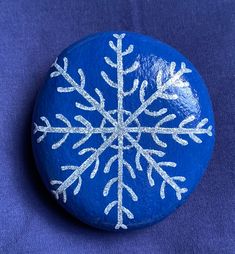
(181, 130)
(87, 130)
(95, 105)
(161, 92)
(158, 167)
(175, 132)
(78, 171)
(119, 67)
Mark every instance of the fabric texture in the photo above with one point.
(33, 33)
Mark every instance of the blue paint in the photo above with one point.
(89, 204)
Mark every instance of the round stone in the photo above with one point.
(123, 130)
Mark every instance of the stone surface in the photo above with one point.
(123, 130)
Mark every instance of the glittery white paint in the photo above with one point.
(166, 77)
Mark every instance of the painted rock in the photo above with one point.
(123, 130)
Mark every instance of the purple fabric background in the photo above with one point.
(32, 33)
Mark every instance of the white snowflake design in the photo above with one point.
(121, 129)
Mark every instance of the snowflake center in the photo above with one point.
(121, 129)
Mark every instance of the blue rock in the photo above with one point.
(123, 130)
